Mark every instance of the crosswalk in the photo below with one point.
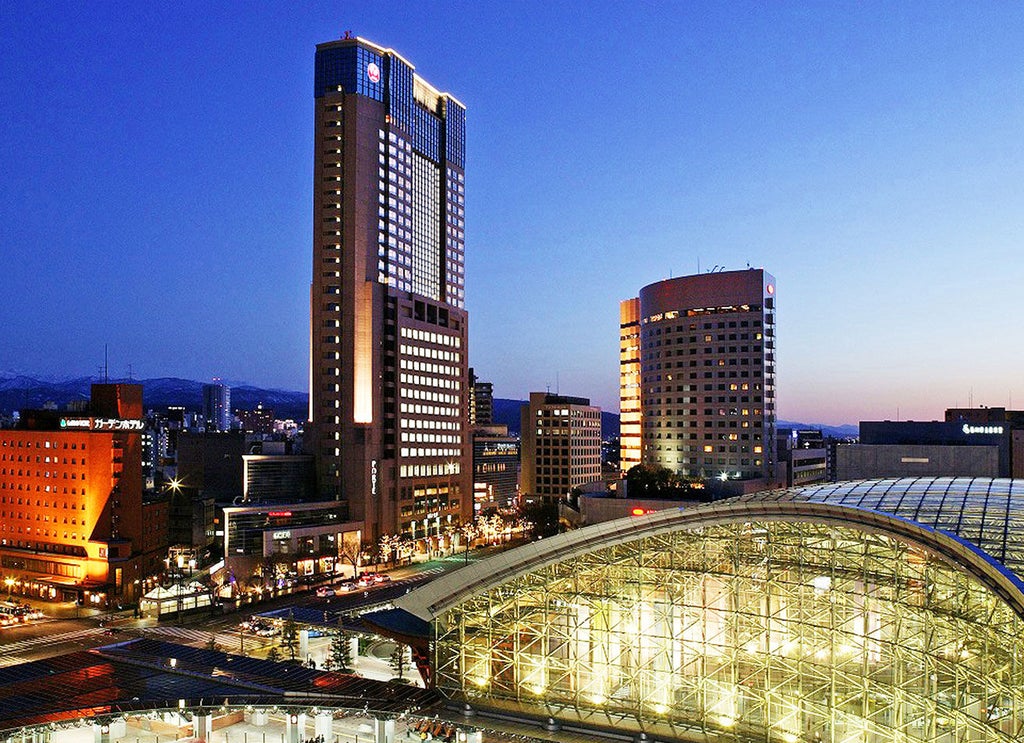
(12, 651)
(435, 570)
(189, 636)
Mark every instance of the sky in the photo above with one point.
(156, 186)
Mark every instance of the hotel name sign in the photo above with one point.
(101, 424)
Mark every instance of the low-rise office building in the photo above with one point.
(803, 454)
(561, 446)
(301, 538)
(950, 448)
(495, 468)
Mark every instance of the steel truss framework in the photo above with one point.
(760, 630)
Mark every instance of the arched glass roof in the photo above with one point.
(988, 513)
(977, 523)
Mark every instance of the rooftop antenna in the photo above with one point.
(558, 385)
(970, 398)
(129, 372)
(106, 366)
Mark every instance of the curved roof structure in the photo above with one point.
(974, 523)
(860, 611)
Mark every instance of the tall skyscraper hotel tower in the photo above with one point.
(388, 362)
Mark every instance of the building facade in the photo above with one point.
(803, 454)
(697, 376)
(630, 439)
(267, 478)
(951, 448)
(217, 407)
(561, 446)
(495, 469)
(481, 401)
(72, 519)
(273, 541)
(876, 611)
(260, 420)
(388, 362)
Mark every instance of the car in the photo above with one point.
(346, 587)
(381, 578)
(325, 592)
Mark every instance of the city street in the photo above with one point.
(62, 632)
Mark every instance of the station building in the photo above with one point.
(871, 611)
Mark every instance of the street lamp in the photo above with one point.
(9, 581)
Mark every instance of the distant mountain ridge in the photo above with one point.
(844, 431)
(506, 412)
(21, 392)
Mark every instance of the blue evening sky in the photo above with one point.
(156, 166)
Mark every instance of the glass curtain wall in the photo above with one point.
(757, 631)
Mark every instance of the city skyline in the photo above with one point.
(157, 195)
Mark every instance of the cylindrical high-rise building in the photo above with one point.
(697, 361)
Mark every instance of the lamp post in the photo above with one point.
(9, 581)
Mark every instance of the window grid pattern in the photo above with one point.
(347, 67)
(426, 133)
(707, 386)
(455, 237)
(455, 133)
(426, 227)
(400, 91)
(395, 223)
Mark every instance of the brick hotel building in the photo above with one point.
(72, 522)
(388, 368)
(697, 376)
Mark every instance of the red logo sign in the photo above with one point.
(373, 72)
